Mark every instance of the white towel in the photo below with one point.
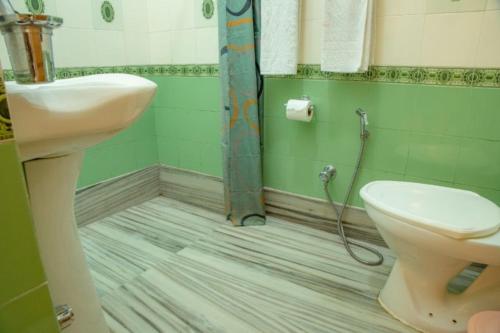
(347, 36)
(280, 36)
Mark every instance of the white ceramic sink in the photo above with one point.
(70, 115)
(53, 124)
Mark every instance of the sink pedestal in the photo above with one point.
(52, 185)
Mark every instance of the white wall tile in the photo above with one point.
(175, 31)
(387, 7)
(137, 48)
(207, 46)
(488, 52)
(158, 15)
(409, 7)
(110, 48)
(76, 13)
(493, 4)
(166, 15)
(451, 39)
(19, 5)
(160, 42)
(50, 6)
(183, 46)
(453, 6)
(310, 40)
(4, 56)
(74, 47)
(312, 9)
(398, 40)
(399, 7)
(181, 13)
(199, 20)
(135, 15)
(98, 21)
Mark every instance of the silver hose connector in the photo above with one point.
(327, 174)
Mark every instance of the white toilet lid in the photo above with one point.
(455, 213)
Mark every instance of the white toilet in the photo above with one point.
(435, 233)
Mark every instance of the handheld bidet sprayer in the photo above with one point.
(363, 118)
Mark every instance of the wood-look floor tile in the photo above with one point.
(209, 294)
(165, 266)
(311, 258)
(120, 247)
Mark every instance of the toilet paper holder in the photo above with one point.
(304, 98)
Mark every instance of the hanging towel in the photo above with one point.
(347, 36)
(280, 36)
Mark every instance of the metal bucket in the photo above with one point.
(29, 43)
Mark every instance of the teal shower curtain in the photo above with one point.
(242, 95)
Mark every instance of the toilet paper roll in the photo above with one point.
(299, 109)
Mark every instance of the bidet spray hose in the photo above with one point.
(340, 225)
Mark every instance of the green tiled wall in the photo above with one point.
(188, 123)
(445, 135)
(431, 134)
(31, 313)
(133, 149)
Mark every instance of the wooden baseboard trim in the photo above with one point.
(111, 196)
(207, 191)
(101, 200)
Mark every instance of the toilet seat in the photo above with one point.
(450, 212)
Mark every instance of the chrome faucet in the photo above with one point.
(28, 38)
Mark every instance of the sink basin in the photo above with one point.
(70, 115)
(53, 124)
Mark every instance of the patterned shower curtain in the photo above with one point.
(242, 90)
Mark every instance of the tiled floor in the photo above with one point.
(165, 266)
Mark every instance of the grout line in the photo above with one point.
(23, 294)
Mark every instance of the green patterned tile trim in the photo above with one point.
(162, 70)
(480, 77)
(476, 77)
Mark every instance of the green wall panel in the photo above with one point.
(445, 135)
(188, 123)
(430, 134)
(31, 313)
(132, 149)
(20, 262)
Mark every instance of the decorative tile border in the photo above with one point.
(471, 77)
(159, 70)
(478, 77)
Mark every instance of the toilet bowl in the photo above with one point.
(436, 232)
